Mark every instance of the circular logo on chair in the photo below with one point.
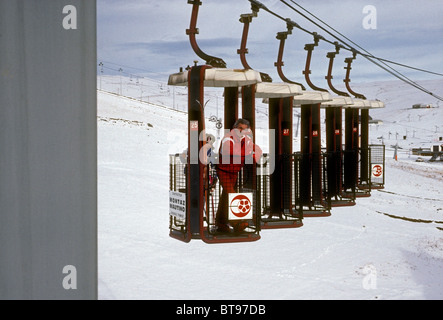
(377, 170)
(240, 207)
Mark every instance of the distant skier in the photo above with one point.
(236, 149)
(395, 152)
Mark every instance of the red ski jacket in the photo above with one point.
(235, 152)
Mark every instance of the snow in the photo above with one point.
(360, 252)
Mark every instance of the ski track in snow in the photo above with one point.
(327, 258)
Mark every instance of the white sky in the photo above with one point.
(150, 35)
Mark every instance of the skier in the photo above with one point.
(236, 149)
(207, 157)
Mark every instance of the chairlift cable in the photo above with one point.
(368, 56)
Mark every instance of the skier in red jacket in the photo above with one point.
(236, 149)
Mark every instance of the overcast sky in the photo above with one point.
(150, 35)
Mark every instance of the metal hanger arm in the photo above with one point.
(193, 31)
(246, 19)
(347, 80)
(329, 77)
(282, 36)
(307, 71)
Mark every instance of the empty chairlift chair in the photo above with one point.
(276, 181)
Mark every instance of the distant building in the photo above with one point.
(376, 122)
(371, 120)
(422, 106)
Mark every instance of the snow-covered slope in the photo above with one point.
(388, 246)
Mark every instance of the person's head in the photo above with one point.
(242, 124)
(242, 127)
(210, 138)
